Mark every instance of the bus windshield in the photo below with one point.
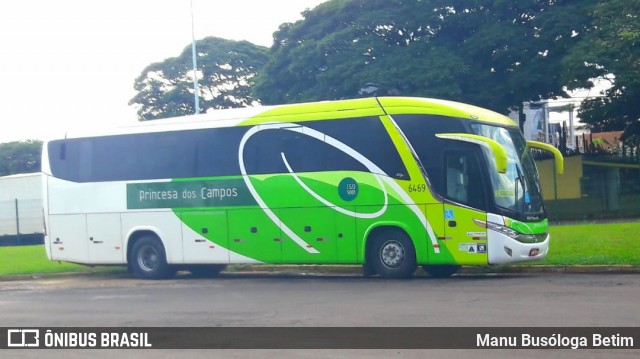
(518, 189)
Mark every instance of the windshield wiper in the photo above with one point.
(523, 182)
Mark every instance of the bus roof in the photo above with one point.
(408, 105)
(374, 106)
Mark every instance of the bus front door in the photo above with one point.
(464, 212)
(465, 239)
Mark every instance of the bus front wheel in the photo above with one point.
(149, 260)
(393, 255)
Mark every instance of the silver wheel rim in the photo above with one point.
(148, 258)
(392, 254)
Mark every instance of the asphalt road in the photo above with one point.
(244, 299)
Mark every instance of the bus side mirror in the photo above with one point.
(498, 151)
(557, 156)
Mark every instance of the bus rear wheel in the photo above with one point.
(148, 259)
(393, 255)
(441, 271)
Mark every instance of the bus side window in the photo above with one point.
(263, 152)
(457, 177)
(63, 151)
(463, 179)
(368, 137)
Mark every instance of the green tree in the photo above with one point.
(342, 45)
(225, 73)
(612, 46)
(513, 49)
(20, 157)
(493, 53)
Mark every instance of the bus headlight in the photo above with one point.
(502, 229)
(520, 237)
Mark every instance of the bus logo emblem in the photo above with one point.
(348, 189)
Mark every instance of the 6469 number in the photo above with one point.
(417, 188)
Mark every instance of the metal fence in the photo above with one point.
(21, 222)
(592, 187)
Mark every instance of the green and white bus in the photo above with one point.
(390, 183)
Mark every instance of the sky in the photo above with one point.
(70, 64)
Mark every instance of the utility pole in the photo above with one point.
(195, 64)
(17, 218)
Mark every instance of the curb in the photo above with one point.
(587, 269)
(357, 269)
(351, 269)
(63, 275)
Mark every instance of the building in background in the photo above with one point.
(551, 120)
(21, 220)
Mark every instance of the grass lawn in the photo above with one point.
(33, 260)
(615, 243)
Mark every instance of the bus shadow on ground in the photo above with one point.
(305, 276)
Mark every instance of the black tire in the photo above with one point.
(148, 259)
(206, 270)
(441, 270)
(368, 270)
(393, 255)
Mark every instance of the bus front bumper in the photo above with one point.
(503, 249)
